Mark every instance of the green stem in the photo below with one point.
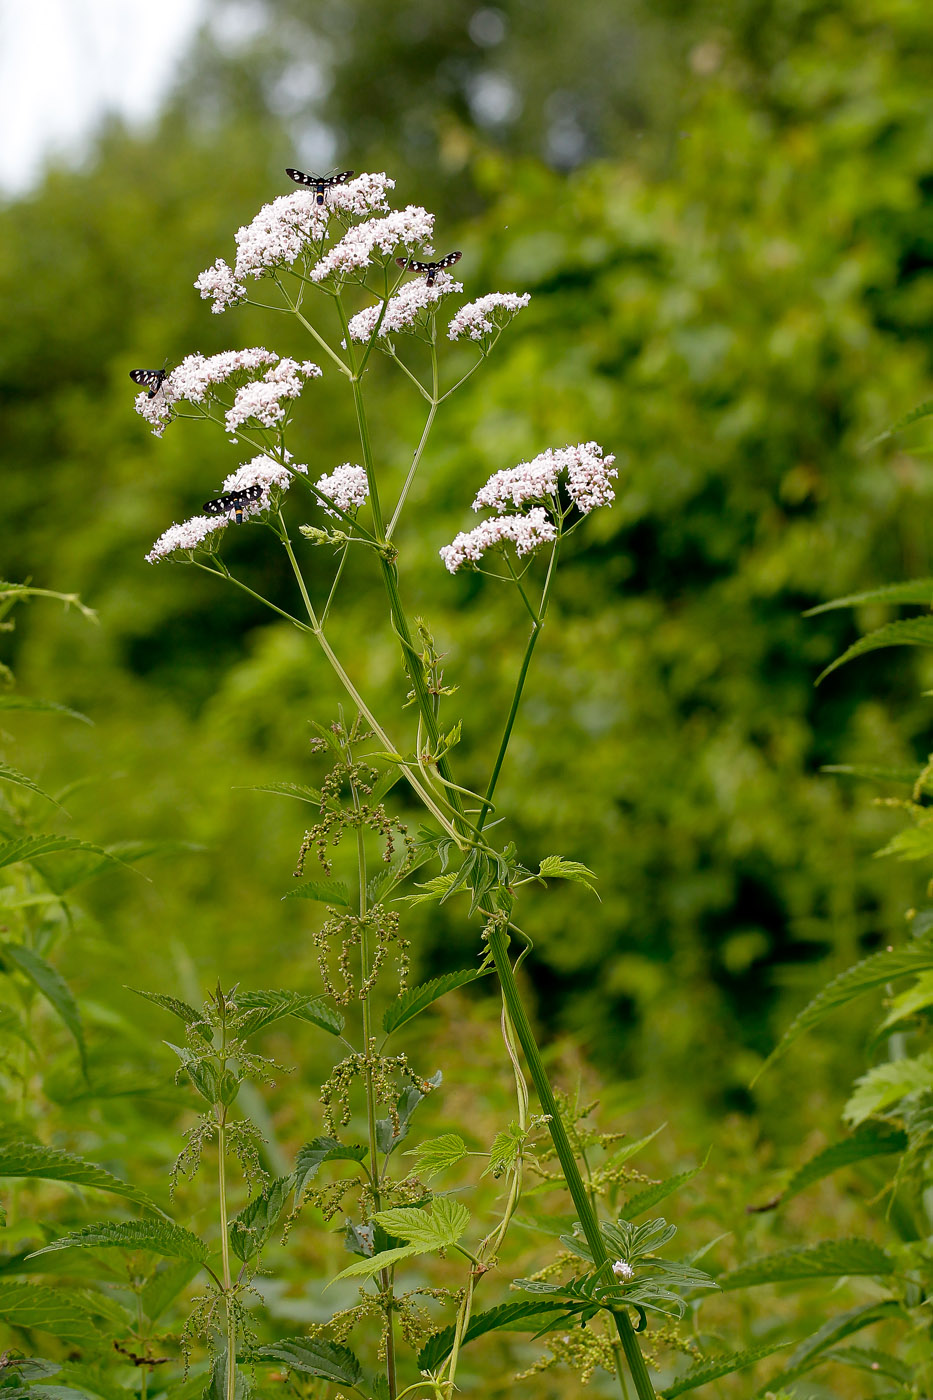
(424, 436)
(230, 1390)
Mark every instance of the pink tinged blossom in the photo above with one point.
(525, 532)
(186, 537)
(587, 473)
(265, 399)
(490, 313)
(279, 233)
(220, 283)
(623, 1270)
(411, 228)
(346, 486)
(404, 308)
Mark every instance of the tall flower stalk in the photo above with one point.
(347, 249)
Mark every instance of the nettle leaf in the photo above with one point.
(368, 1268)
(387, 1137)
(214, 1086)
(436, 1155)
(880, 1363)
(18, 779)
(51, 985)
(31, 1305)
(906, 777)
(178, 1008)
(267, 1007)
(29, 702)
(443, 1226)
(913, 843)
(907, 632)
(919, 590)
(27, 1159)
(886, 1084)
(556, 868)
(652, 1195)
(359, 1239)
(908, 1004)
(296, 790)
(415, 999)
(164, 1286)
(216, 1388)
(630, 1149)
(505, 1149)
(159, 1236)
(324, 891)
(711, 1368)
(866, 976)
(319, 1012)
(440, 887)
(251, 1227)
(323, 1149)
(314, 1356)
(829, 1259)
(872, 1140)
(31, 847)
(843, 1325)
(507, 1317)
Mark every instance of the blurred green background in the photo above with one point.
(724, 213)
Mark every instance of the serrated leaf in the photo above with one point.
(907, 632)
(505, 1317)
(30, 1305)
(872, 1140)
(711, 1368)
(324, 891)
(251, 1227)
(440, 887)
(164, 1286)
(630, 1149)
(28, 1159)
(866, 976)
(829, 1259)
(832, 1331)
(388, 1134)
(886, 1084)
(51, 985)
(310, 1158)
(159, 1236)
(918, 590)
(267, 1007)
(314, 1356)
(504, 1150)
(913, 843)
(659, 1191)
(917, 998)
(18, 779)
(426, 1231)
(31, 847)
(28, 702)
(416, 999)
(178, 1008)
(879, 1363)
(436, 1155)
(907, 777)
(368, 1268)
(557, 868)
(921, 411)
(296, 790)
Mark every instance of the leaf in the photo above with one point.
(885, 1084)
(918, 590)
(437, 1155)
(52, 986)
(203, 1074)
(556, 868)
(320, 1150)
(437, 888)
(879, 1363)
(367, 1268)
(505, 1317)
(325, 892)
(320, 1013)
(388, 1136)
(271, 1006)
(505, 1149)
(28, 1159)
(416, 999)
(905, 776)
(711, 1368)
(645, 1200)
(314, 1357)
(913, 843)
(181, 1009)
(907, 632)
(28, 702)
(872, 1140)
(918, 997)
(164, 1286)
(833, 1331)
(829, 1259)
(13, 775)
(251, 1227)
(866, 976)
(31, 1305)
(159, 1236)
(31, 847)
(630, 1149)
(298, 790)
(921, 411)
(427, 1232)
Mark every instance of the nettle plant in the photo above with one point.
(336, 247)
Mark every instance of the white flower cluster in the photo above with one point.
(263, 471)
(186, 536)
(282, 230)
(404, 308)
(623, 1270)
(264, 399)
(346, 486)
(588, 479)
(526, 532)
(412, 227)
(478, 319)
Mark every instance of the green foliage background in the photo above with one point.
(724, 214)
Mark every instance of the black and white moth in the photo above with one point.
(430, 269)
(150, 379)
(319, 183)
(234, 501)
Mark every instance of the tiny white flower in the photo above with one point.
(526, 532)
(587, 472)
(347, 486)
(623, 1270)
(478, 319)
(185, 537)
(264, 399)
(219, 282)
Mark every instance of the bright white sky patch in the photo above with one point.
(63, 63)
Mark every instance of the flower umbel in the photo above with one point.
(526, 532)
(346, 486)
(404, 309)
(480, 318)
(186, 537)
(587, 473)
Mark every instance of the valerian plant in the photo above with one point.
(334, 252)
